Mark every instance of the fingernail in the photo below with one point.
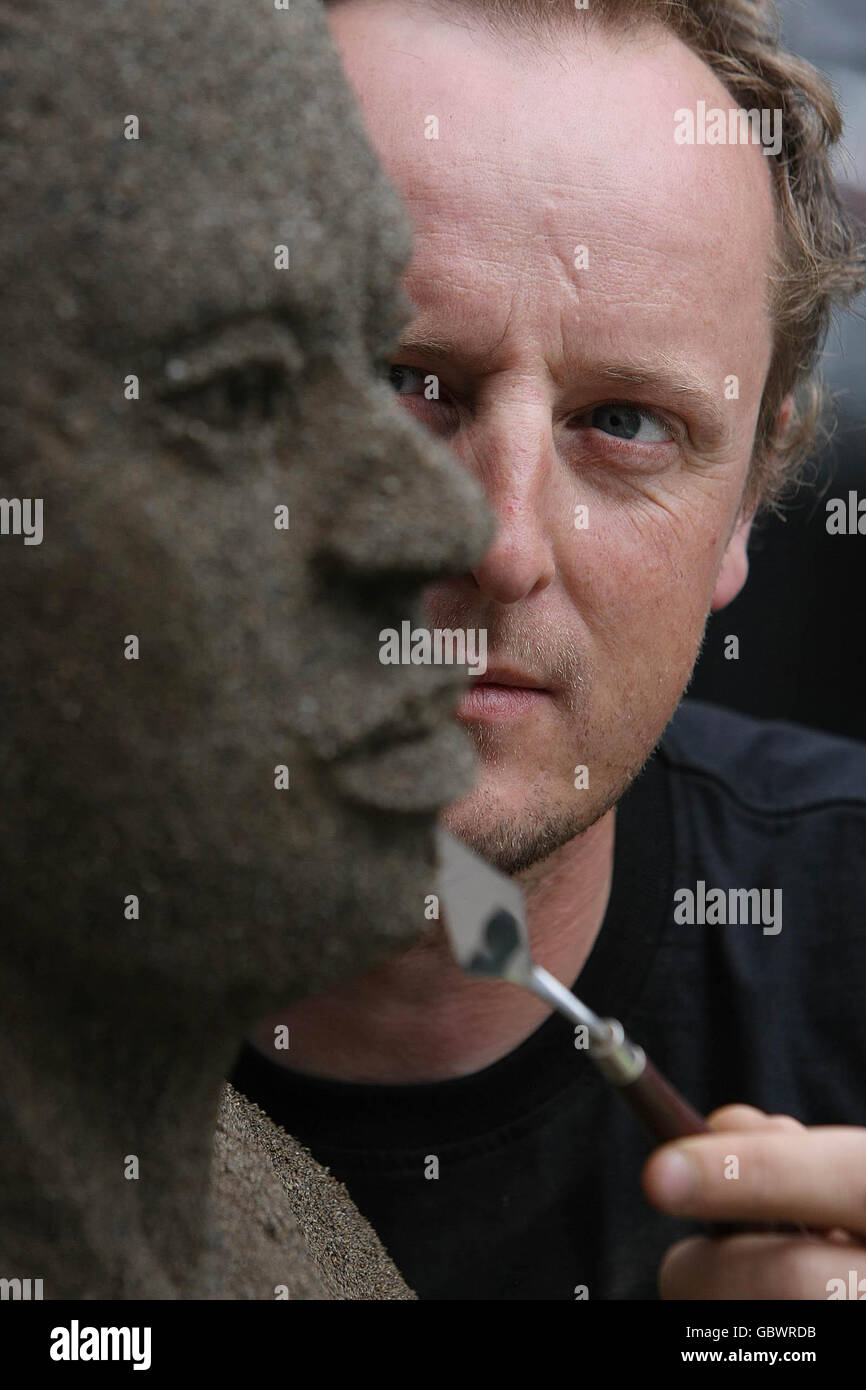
(676, 1179)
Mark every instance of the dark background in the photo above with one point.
(801, 619)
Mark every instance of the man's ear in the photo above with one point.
(735, 563)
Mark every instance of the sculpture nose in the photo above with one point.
(408, 508)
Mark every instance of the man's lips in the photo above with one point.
(502, 694)
(505, 675)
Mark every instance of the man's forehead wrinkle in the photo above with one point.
(640, 260)
(495, 193)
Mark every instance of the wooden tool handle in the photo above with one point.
(661, 1107)
(669, 1116)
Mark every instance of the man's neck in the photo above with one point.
(420, 1018)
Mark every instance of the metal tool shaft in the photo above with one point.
(548, 988)
(650, 1095)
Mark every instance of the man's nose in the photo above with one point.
(511, 453)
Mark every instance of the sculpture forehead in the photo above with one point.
(248, 139)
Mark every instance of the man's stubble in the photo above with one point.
(517, 836)
(514, 837)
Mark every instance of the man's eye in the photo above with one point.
(404, 378)
(625, 422)
(233, 398)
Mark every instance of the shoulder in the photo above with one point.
(261, 1248)
(266, 1187)
(765, 765)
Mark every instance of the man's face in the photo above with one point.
(573, 380)
(260, 400)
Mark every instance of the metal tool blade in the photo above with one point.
(485, 917)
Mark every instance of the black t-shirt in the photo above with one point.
(537, 1190)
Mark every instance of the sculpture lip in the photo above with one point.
(413, 719)
(409, 775)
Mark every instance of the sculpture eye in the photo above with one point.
(233, 398)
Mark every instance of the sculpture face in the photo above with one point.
(259, 388)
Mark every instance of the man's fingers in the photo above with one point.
(814, 1177)
(760, 1266)
(746, 1117)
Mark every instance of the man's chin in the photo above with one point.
(515, 834)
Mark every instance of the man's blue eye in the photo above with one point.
(625, 422)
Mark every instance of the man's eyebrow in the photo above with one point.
(409, 341)
(664, 374)
(674, 380)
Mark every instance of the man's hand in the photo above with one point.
(764, 1168)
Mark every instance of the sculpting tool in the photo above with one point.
(485, 919)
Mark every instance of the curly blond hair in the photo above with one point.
(819, 259)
